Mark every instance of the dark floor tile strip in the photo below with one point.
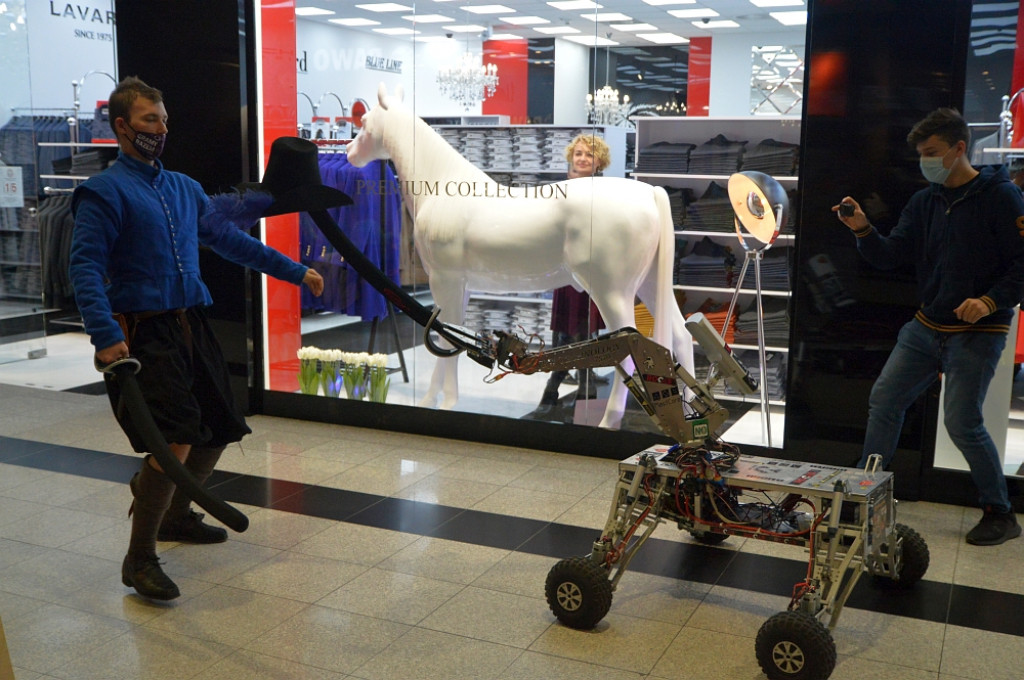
(977, 608)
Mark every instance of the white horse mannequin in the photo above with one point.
(610, 236)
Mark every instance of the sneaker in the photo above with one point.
(994, 528)
(149, 580)
(190, 528)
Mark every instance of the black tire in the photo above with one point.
(795, 646)
(913, 563)
(709, 538)
(578, 592)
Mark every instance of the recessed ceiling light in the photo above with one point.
(719, 23)
(525, 21)
(634, 27)
(575, 4)
(790, 18)
(312, 12)
(663, 38)
(693, 13)
(385, 7)
(487, 9)
(427, 18)
(465, 28)
(506, 36)
(431, 38)
(556, 30)
(605, 17)
(396, 31)
(357, 21)
(591, 40)
(662, 3)
(776, 3)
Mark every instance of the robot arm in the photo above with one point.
(654, 382)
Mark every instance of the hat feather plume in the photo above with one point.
(238, 209)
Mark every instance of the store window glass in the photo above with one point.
(56, 69)
(992, 107)
(455, 128)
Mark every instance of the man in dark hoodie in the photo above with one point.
(964, 235)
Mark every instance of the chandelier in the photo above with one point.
(604, 107)
(469, 82)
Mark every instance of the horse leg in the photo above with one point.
(679, 342)
(450, 295)
(616, 309)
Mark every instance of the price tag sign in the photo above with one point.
(11, 190)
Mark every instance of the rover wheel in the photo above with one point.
(914, 559)
(578, 592)
(709, 537)
(795, 646)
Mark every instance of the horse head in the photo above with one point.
(369, 143)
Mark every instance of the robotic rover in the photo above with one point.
(844, 518)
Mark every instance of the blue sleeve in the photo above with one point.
(1006, 210)
(97, 224)
(241, 248)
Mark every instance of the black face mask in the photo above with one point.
(149, 144)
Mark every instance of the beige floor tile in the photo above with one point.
(533, 666)
(54, 575)
(145, 653)
(109, 597)
(418, 455)
(296, 576)
(12, 606)
(518, 573)
(456, 493)
(212, 563)
(278, 529)
(353, 452)
(390, 595)
(53, 636)
(856, 668)
(476, 469)
(382, 480)
(980, 655)
(588, 512)
(698, 654)
(106, 544)
(229, 616)
(15, 510)
(568, 482)
(658, 598)
(12, 476)
(518, 502)
(58, 489)
(737, 612)
(55, 527)
(878, 637)
(996, 567)
(430, 655)
(253, 666)
(444, 560)
(303, 469)
(290, 443)
(111, 500)
(493, 616)
(355, 543)
(327, 638)
(621, 642)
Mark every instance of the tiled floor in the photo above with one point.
(377, 555)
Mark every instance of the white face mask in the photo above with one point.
(933, 169)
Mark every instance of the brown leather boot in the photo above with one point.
(152, 491)
(183, 524)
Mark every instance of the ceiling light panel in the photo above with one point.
(605, 17)
(790, 18)
(312, 12)
(506, 36)
(663, 3)
(701, 13)
(718, 23)
(632, 28)
(385, 7)
(556, 30)
(591, 40)
(465, 28)
(525, 21)
(777, 3)
(487, 9)
(396, 31)
(569, 5)
(427, 18)
(663, 38)
(355, 21)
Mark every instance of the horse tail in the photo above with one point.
(664, 298)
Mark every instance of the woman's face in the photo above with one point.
(582, 161)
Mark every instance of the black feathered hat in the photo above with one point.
(293, 180)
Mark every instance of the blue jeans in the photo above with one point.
(967, 362)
